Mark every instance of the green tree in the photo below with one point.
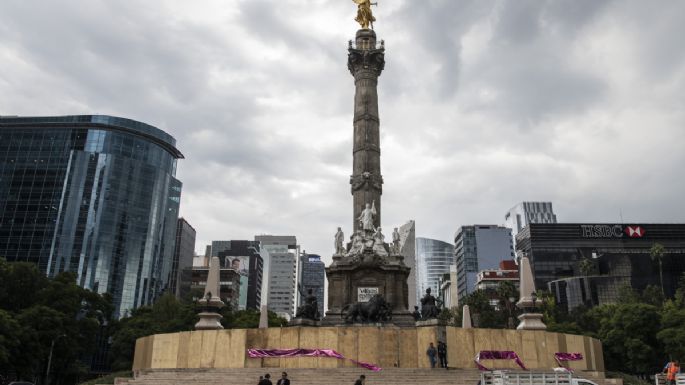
(672, 333)
(657, 253)
(652, 295)
(586, 266)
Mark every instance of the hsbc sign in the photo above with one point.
(612, 231)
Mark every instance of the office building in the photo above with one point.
(408, 251)
(312, 275)
(433, 259)
(94, 195)
(448, 289)
(479, 247)
(193, 281)
(280, 270)
(184, 252)
(489, 281)
(526, 213)
(619, 255)
(245, 258)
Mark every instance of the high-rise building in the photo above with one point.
(433, 260)
(526, 213)
(280, 272)
(312, 275)
(589, 263)
(479, 247)
(408, 251)
(95, 195)
(193, 281)
(245, 258)
(184, 251)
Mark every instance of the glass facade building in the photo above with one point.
(91, 194)
(184, 252)
(479, 247)
(312, 276)
(433, 260)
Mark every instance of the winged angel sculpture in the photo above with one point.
(364, 15)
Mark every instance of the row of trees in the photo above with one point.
(639, 333)
(39, 315)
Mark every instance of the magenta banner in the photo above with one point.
(288, 353)
(497, 355)
(560, 356)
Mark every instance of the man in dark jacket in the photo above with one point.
(442, 354)
(283, 380)
(266, 380)
(361, 380)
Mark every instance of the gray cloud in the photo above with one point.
(484, 103)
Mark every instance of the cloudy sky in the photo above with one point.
(483, 103)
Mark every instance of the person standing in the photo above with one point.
(361, 380)
(432, 353)
(672, 370)
(266, 380)
(442, 354)
(283, 380)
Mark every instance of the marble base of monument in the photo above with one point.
(355, 278)
(531, 321)
(209, 321)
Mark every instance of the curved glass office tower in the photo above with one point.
(94, 195)
(433, 259)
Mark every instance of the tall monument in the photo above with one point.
(367, 281)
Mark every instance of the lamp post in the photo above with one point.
(534, 298)
(52, 346)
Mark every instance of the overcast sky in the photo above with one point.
(483, 104)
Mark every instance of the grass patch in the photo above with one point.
(108, 379)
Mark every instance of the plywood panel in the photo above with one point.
(460, 347)
(208, 348)
(273, 341)
(348, 339)
(165, 355)
(408, 338)
(328, 338)
(290, 339)
(576, 344)
(309, 339)
(255, 339)
(238, 353)
(369, 345)
(223, 350)
(425, 336)
(389, 348)
(195, 350)
(529, 351)
(183, 350)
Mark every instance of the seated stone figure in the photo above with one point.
(429, 306)
(310, 309)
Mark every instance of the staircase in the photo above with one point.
(337, 376)
(342, 376)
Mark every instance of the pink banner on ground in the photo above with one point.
(567, 357)
(497, 355)
(288, 353)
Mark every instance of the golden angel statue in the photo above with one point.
(364, 15)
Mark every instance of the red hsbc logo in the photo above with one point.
(635, 231)
(612, 231)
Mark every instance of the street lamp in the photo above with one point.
(534, 298)
(52, 346)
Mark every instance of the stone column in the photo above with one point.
(366, 62)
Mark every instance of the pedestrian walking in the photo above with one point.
(283, 380)
(442, 354)
(266, 380)
(432, 353)
(672, 370)
(361, 380)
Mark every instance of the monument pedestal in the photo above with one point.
(531, 321)
(209, 321)
(355, 279)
